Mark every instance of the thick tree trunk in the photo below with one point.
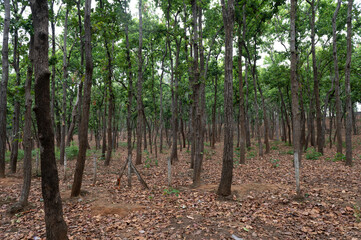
(83, 126)
(295, 101)
(337, 81)
(4, 86)
(224, 188)
(348, 133)
(138, 159)
(55, 225)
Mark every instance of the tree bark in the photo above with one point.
(295, 101)
(65, 78)
(55, 225)
(4, 86)
(138, 159)
(83, 126)
(337, 81)
(349, 111)
(224, 188)
(316, 91)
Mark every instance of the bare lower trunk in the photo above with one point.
(55, 225)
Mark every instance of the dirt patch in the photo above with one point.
(122, 209)
(244, 190)
(10, 181)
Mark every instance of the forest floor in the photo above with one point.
(262, 205)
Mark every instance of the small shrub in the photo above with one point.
(289, 152)
(274, 147)
(170, 191)
(71, 152)
(357, 213)
(312, 154)
(339, 157)
(251, 154)
(275, 163)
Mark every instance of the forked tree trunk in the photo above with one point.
(55, 225)
(83, 126)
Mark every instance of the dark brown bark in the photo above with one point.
(242, 143)
(348, 133)
(337, 81)
(224, 188)
(316, 91)
(214, 112)
(65, 78)
(265, 120)
(83, 126)
(55, 225)
(16, 118)
(138, 159)
(27, 142)
(110, 104)
(104, 134)
(4, 86)
(74, 114)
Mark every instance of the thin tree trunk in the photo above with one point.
(27, 142)
(16, 119)
(56, 227)
(337, 81)
(295, 101)
(4, 86)
(348, 133)
(224, 188)
(83, 126)
(138, 159)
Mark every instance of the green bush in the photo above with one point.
(251, 154)
(289, 152)
(275, 163)
(312, 154)
(274, 147)
(170, 190)
(339, 157)
(71, 152)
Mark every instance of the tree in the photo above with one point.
(139, 89)
(348, 86)
(84, 123)
(224, 188)
(4, 86)
(23, 200)
(337, 81)
(56, 227)
(295, 101)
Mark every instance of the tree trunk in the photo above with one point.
(27, 142)
(83, 126)
(74, 114)
(224, 188)
(138, 159)
(55, 225)
(295, 101)
(349, 111)
(16, 119)
(65, 78)
(337, 81)
(316, 91)
(242, 147)
(4, 86)
(104, 135)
